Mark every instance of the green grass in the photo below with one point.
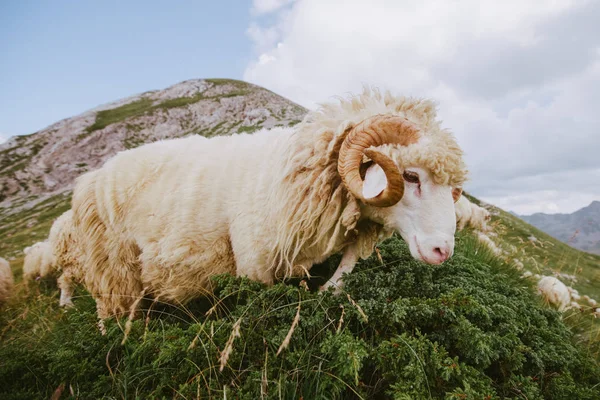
(249, 129)
(468, 329)
(232, 82)
(464, 330)
(180, 102)
(114, 115)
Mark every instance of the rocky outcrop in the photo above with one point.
(46, 163)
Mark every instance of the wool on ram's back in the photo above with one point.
(165, 217)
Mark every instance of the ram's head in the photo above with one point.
(407, 180)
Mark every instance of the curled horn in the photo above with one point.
(372, 132)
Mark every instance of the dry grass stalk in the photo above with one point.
(235, 332)
(379, 256)
(212, 309)
(58, 392)
(194, 342)
(286, 341)
(360, 310)
(264, 384)
(132, 310)
(341, 320)
(148, 317)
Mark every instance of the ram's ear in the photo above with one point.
(375, 182)
(456, 192)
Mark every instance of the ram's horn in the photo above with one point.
(372, 132)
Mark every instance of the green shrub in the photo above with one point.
(401, 329)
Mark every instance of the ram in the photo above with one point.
(163, 218)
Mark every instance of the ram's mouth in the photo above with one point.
(419, 249)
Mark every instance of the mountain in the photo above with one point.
(580, 229)
(37, 166)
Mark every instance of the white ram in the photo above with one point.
(163, 218)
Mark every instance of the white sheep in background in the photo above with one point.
(483, 238)
(518, 264)
(592, 302)
(6, 281)
(554, 292)
(66, 255)
(585, 297)
(574, 293)
(527, 274)
(165, 217)
(38, 261)
(471, 214)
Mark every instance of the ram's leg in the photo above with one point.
(253, 267)
(349, 260)
(250, 258)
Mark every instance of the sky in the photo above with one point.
(517, 81)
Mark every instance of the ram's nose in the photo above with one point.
(441, 253)
(437, 251)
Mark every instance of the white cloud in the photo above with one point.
(517, 81)
(546, 201)
(268, 6)
(263, 38)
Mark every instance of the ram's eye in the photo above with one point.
(411, 177)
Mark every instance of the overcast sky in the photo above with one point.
(516, 81)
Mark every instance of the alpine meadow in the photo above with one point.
(472, 327)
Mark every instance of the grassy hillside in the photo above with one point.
(469, 329)
(402, 329)
(543, 254)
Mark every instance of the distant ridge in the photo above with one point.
(580, 229)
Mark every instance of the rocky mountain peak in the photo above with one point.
(34, 167)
